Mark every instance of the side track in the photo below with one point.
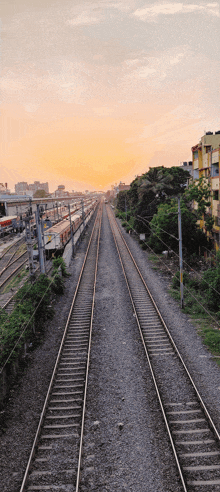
(54, 462)
(192, 433)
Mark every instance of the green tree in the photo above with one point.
(164, 229)
(179, 182)
(122, 200)
(200, 192)
(40, 194)
(156, 182)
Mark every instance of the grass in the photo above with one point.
(22, 249)
(155, 259)
(15, 281)
(205, 325)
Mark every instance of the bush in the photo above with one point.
(57, 285)
(192, 283)
(60, 263)
(212, 339)
(32, 309)
(210, 285)
(144, 246)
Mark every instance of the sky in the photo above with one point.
(93, 93)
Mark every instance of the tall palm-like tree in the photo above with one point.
(156, 183)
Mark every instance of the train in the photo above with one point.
(57, 236)
(10, 223)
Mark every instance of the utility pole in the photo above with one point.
(126, 209)
(57, 211)
(71, 230)
(180, 253)
(29, 241)
(82, 203)
(40, 242)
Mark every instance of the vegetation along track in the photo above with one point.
(12, 260)
(193, 436)
(55, 459)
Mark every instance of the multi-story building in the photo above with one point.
(23, 187)
(206, 162)
(38, 186)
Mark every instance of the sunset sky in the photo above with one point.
(93, 93)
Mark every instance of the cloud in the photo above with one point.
(157, 67)
(152, 12)
(84, 19)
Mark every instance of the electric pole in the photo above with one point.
(71, 230)
(40, 241)
(29, 241)
(180, 253)
(82, 203)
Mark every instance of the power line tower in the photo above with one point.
(40, 239)
(29, 241)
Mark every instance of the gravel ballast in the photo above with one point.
(125, 442)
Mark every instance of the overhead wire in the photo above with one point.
(184, 261)
(208, 312)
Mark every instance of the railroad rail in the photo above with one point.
(11, 252)
(55, 458)
(194, 438)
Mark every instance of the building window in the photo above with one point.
(195, 174)
(215, 169)
(208, 148)
(215, 195)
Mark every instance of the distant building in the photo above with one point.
(38, 186)
(4, 189)
(23, 188)
(187, 166)
(60, 192)
(123, 187)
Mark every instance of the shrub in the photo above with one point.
(144, 246)
(57, 285)
(60, 263)
(32, 309)
(212, 339)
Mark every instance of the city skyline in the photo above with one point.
(96, 93)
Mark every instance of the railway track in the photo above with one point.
(55, 458)
(11, 269)
(192, 433)
(8, 255)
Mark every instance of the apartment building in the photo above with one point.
(23, 188)
(206, 162)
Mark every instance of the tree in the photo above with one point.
(156, 182)
(122, 200)
(200, 192)
(164, 229)
(180, 178)
(40, 194)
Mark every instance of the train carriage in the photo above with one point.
(57, 236)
